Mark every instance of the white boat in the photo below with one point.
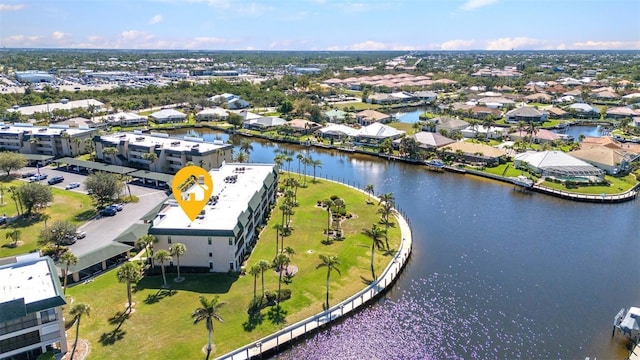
(628, 322)
(435, 164)
(522, 180)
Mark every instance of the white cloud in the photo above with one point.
(156, 19)
(15, 7)
(57, 35)
(371, 45)
(517, 43)
(475, 4)
(458, 45)
(606, 45)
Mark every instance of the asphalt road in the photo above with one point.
(103, 230)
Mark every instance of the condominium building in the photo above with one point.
(55, 140)
(31, 320)
(171, 154)
(225, 230)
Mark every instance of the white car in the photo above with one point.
(81, 234)
(72, 185)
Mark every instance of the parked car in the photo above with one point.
(108, 211)
(3, 220)
(118, 207)
(69, 240)
(38, 177)
(55, 180)
(81, 234)
(28, 174)
(72, 185)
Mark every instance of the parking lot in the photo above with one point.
(103, 230)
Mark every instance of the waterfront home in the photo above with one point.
(376, 133)
(559, 165)
(583, 110)
(471, 152)
(612, 159)
(166, 116)
(264, 123)
(447, 124)
(31, 308)
(621, 112)
(335, 116)
(368, 117)
(247, 115)
(225, 230)
(481, 112)
(429, 140)
(303, 127)
(556, 112)
(492, 132)
(540, 137)
(426, 96)
(527, 114)
(337, 131)
(212, 114)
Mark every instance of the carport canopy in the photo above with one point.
(151, 175)
(96, 166)
(37, 157)
(96, 256)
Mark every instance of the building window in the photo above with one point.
(20, 341)
(209, 240)
(210, 265)
(230, 266)
(230, 241)
(169, 239)
(47, 316)
(210, 254)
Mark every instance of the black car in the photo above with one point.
(28, 174)
(109, 211)
(55, 180)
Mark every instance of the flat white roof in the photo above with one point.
(176, 144)
(233, 199)
(40, 130)
(30, 110)
(33, 282)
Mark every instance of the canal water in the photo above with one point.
(495, 273)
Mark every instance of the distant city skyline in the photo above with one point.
(322, 24)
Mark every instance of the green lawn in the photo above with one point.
(506, 170)
(408, 127)
(67, 205)
(617, 185)
(161, 327)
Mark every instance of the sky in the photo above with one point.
(322, 24)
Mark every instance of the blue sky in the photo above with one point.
(322, 24)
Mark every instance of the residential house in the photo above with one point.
(375, 133)
(264, 123)
(583, 110)
(539, 97)
(337, 131)
(303, 127)
(167, 116)
(448, 124)
(226, 229)
(335, 116)
(232, 101)
(426, 96)
(558, 164)
(481, 112)
(612, 159)
(31, 308)
(212, 114)
(430, 140)
(125, 119)
(621, 112)
(541, 136)
(172, 154)
(527, 114)
(474, 152)
(556, 112)
(368, 117)
(492, 132)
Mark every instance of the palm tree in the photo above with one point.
(146, 242)
(89, 147)
(111, 151)
(162, 256)
(315, 164)
(246, 147)
(280, 263)
(305, 162)
(299, 156)
(177, 250)
(369, 190)
(264, 266)
(279, 229)
(68, 258)
(77, 141)
(376, 235)
(129, 273)
(289, 251)
(151, 157)
(242, 157)
(331, 263)
(207, 312)
(14, 235)
(532, 130)
(126, 179)
(328, 203)
(77, 311)
(255, 271)
(279, 160)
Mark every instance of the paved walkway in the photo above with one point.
(361, 298)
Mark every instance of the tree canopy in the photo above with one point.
(10, 161)
(57, 233)
(104, 186)
(35, 196)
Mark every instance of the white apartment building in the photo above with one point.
(31, 300)
(55, 140)
(172, 154)
(225, 230)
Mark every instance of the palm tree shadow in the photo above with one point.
(366, 281)
(255, 319)
(277, 315)
(112, 337)
(161, 294)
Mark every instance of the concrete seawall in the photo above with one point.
(272, 343)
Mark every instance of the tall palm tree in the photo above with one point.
(264, 266)
(328, 203)
(68, 258)
(331, 263)
(151, 157)
(369, 189)
(146, 242)
(44, 217)
(162, 256)
(280, 263)
(279, 229)
(77, 311)
(299, 156)
(207, 312)
(14, 235)
(177, 250)
(305, 162)
(111, 151)
(77, 141)
(255, 271)
(129, 273)
(126, 179)
(89, 147)
(376, 234)
(279, 160)
(247, 148)
(315, 164)
(288, 159)
(532, 130)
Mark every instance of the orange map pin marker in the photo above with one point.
(192, 186)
